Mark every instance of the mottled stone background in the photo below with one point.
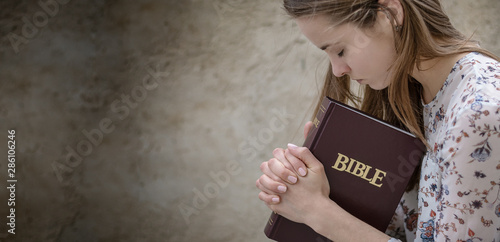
(147, 120)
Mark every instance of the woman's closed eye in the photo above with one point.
(341, 53)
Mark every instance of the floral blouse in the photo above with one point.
(458, 198)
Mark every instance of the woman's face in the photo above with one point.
(366, 56)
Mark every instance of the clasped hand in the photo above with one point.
(293, 181)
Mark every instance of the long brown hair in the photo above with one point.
(425, 33)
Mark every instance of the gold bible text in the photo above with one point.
(359, 169)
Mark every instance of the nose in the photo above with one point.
(339, 67)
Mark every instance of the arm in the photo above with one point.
(307, 201)
(319, 212)
(337, 225)
(467, 187)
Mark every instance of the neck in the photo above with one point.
(433, 73)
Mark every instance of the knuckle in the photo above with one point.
(296, 163)
(264, 183)
(278, 151)
(320, 165)
(261, 196)
(263, 166)
(260, 181)
(302, 150)
(274, 164)
(272, 161)
(283, 173)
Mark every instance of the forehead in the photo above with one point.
(319, 29)
(315, 22)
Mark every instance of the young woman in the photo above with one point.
(421, 74)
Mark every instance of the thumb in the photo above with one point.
(305, 155)
(307, 128)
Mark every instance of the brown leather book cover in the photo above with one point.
(368, 164)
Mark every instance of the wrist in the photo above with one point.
(321, 207)
(330, 220)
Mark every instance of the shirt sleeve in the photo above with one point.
(468, 199)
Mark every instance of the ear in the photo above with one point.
(396, 8)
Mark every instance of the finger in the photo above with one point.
(282, 172)
(305, 155)
(307, 128)
(280, 155)
(269, 199)
(264, 167)
(262, 188)
(298, 166)
(270, 186)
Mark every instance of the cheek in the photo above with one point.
(367, 63)
(371, 56)
(379, 59)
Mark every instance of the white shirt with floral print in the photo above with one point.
(458, 198)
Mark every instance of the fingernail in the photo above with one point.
(275, 199)
(292, 146)
(302, 172)
(282, 188)
(292, 179)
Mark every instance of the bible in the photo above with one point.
(367, 161)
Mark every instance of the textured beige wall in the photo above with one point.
(147, 120)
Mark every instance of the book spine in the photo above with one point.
(271, 225)
(326, 105)
(317, 121)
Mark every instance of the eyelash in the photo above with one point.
(341, 53)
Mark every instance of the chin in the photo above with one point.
(378, 87)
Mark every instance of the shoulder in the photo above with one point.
(473, 114)
(477, 70)
(478, 89)
(478, 62)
